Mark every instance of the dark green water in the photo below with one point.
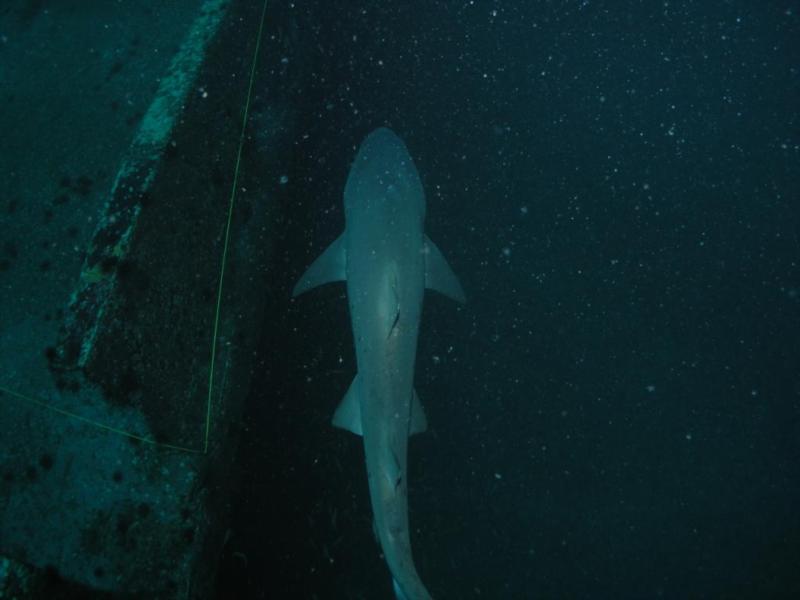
(615, 412)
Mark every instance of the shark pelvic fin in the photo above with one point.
(419, 422)
(438, 274)
(329, 266)
(348, 414)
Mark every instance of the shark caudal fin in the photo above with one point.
(438, 274)
(329, 266)
(348, 414)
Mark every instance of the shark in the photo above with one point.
(387, 262)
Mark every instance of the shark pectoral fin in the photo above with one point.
(348, 414)
(329, 266)
(419, 422)
(438, 274)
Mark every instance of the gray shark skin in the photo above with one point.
(387, 262)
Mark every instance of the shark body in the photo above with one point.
(387, 261)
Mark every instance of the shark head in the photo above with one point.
(383, 171)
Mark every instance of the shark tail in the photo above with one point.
(405, 580)
(417, 591)
(398, 591)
